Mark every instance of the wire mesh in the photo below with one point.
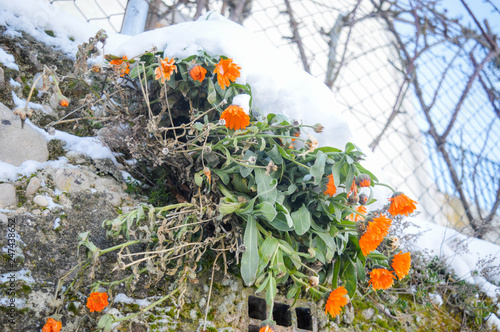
(369, 87)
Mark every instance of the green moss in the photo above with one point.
(72, 308)
(50, 33)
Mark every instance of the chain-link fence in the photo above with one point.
(419, 91)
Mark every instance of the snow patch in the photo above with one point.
(8, 60)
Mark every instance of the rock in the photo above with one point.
(3, 219)
(18, 145)
(41, 201)
(107, 167)
(348, 316)
(7, 195)
(71, 180)
(113, 198)
(33, 186)
(368, 313)
(77, 157)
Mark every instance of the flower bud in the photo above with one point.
(363, 199)
(313, 281)
(318, 128)
(363, 180)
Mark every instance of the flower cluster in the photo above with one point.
(377, 229)
(52, 325)
(121, 65)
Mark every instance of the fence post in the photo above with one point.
(135, 18)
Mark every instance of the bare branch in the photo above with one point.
(465, 92)
(296, 36)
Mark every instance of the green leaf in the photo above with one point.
(318, 169)
(245, 170)
(361, 270)
(292, 291)
(226, 206)
(198, 178)
(301, 220)
(105, 322)
(330, 243)
(250, 258)
(268, 248)
(351, 278)
(266, 186)
(222, 175)
(212, 94)
(271, 291)
(336, 270)
(267, 210)
(264, 284)
(283, 210)
(280, 223)
(275, 155)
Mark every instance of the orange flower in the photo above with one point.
(401, 204)
(381, 279)
(356, 217)
(227, 72)
(97, 301)
(330, 186)
(375, 233)
(235, 117)
(197, 73)
(336, 301)
(64, 103)
(354, 189)
(266, 328)
(52, 325)
(165, 70)
(401, 264)
(119, 63)
(208, 174)
(363, 180)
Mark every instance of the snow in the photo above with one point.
(21, 103)
(242, 101)
(122, 298)
(40, 19)
(14, 84)
(8, 60)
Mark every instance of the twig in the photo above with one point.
(296, 36)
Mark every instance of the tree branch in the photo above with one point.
(296, 36)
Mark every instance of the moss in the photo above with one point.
(56, 149)
(50, 33)
(72, 308)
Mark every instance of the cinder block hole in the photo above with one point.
(282, 314)
(257, 308)
(304, 318)
(253, 328)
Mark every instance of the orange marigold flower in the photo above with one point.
(336, 301)
(401, 264)
(119, 63)
(235, 117)
(381, 279)
(356, 217)
(97, 301)
(401, 204)
(64, 103)
(377, 229)
(165, 70)
(208, 174)
(52, 325)
(197, 73)
(363, 180)
(266, 328)
(353, 190)
(330, 186)
(227, 72)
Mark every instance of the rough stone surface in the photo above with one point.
(41, 201)
(368, 313)
(3, 219)
(8, 196)
(33, 186)
(18, 145)
(71, 180)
